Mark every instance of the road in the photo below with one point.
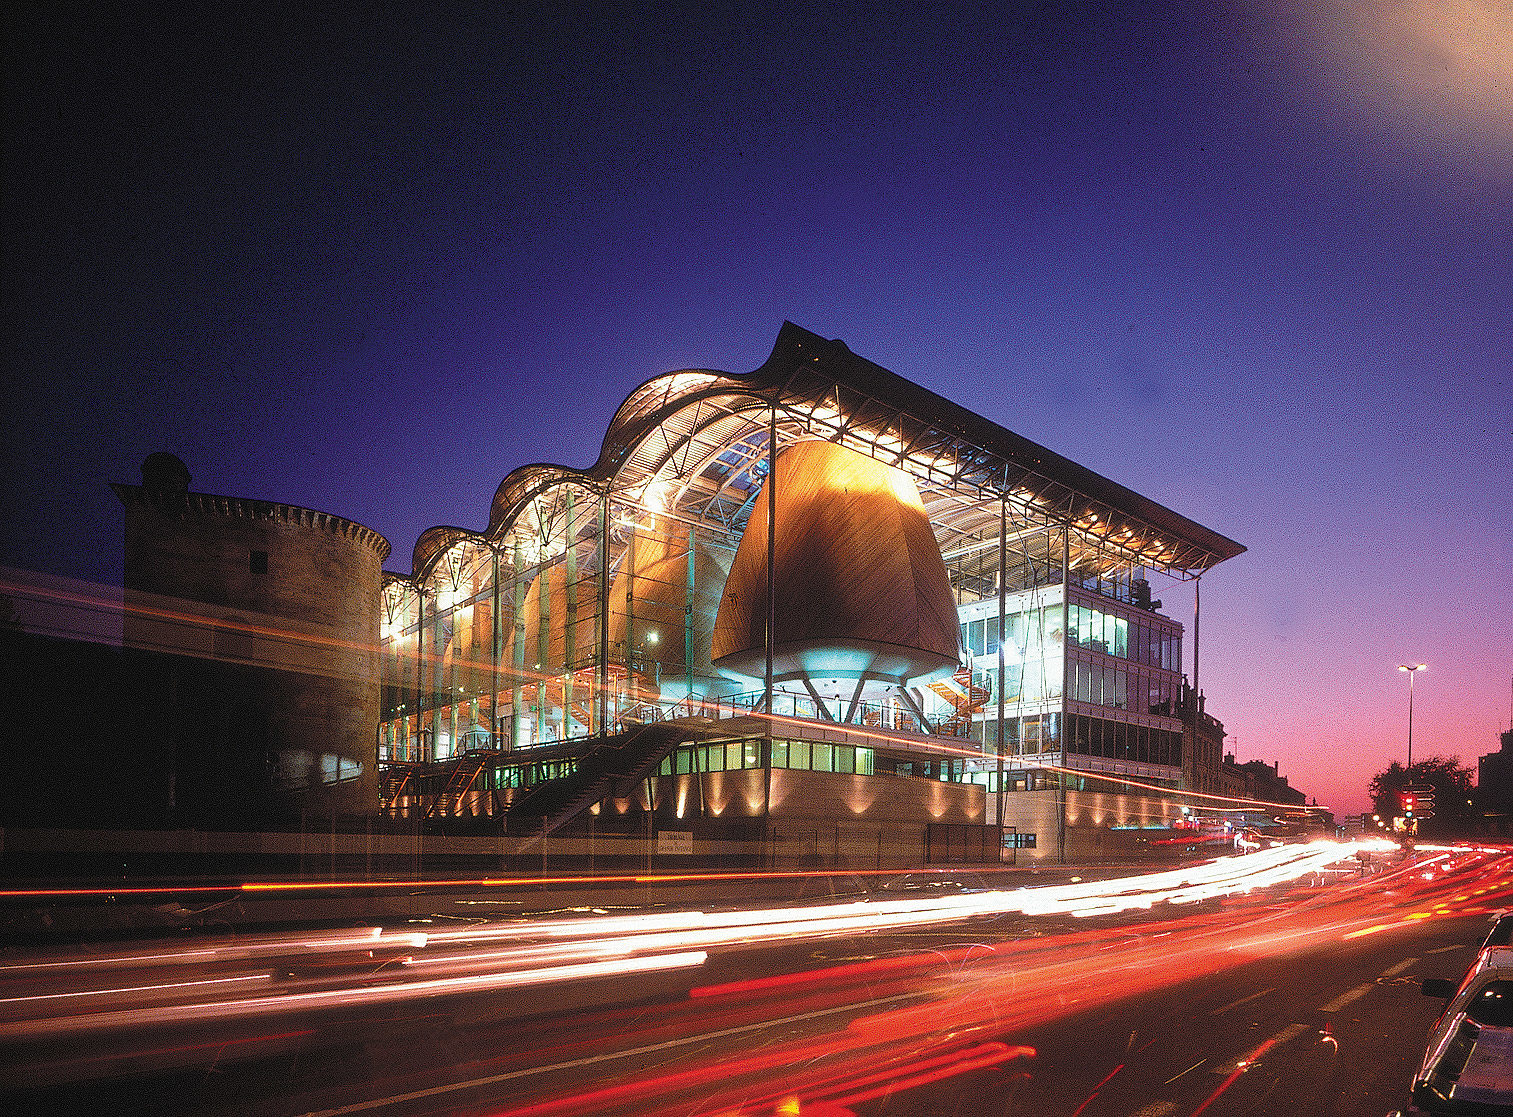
(1296, 997)
(1336, 1030)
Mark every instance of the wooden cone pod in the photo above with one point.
(862, 590)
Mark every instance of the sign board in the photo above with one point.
(674, 841)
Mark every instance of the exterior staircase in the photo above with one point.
(394, 778)
(966, 698)
(612, 769)
(459, 782)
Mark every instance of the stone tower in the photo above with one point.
(270, 614)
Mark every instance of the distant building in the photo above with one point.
(1265, 781)
(1494, 786)
(1203, 766)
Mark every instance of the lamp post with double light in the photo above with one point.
(1412, 669)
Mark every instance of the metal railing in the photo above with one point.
(785, 704)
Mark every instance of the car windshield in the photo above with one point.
(1502, 933)
(1493, 1005)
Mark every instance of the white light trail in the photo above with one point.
(374, 966)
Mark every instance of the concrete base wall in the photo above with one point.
(1098, 826)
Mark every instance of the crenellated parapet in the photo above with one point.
(183, 504)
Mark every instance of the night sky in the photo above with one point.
(1255, 263)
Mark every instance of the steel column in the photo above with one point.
(603, 664)
(1003, 598)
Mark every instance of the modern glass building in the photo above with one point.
(815, 567)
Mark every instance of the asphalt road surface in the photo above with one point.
(1291, 998)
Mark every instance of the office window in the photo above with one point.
(976, 637)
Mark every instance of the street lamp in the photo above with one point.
(1412, 669)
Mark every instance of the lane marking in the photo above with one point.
(590, 1060)
(1401, 966)
(1240, 1068)
(1174, 1077)
(1241, 1001)
(1286, 1035)
(1345, 998)
(1445, 949)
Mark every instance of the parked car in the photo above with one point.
(1468, 1067)
(1501, 933)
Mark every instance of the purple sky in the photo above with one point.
(1256, 265)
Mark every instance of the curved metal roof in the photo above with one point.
(803, 362)
(681, 423)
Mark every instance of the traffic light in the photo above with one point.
(1416, 801)
(1424, 802)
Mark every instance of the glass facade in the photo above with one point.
(729, 756)
(1125, 662)
(584, 617)
(590, 616)
(587, 605)
(1113, 684)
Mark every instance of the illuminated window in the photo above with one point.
(1050, 625)
(1031, 735)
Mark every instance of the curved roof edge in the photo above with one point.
(799, 353)
(434, 541)
(524, 483)
(799, 356)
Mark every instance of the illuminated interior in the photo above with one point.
(588, 603)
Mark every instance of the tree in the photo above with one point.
(1451, 781)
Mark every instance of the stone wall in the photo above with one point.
(284, 602)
